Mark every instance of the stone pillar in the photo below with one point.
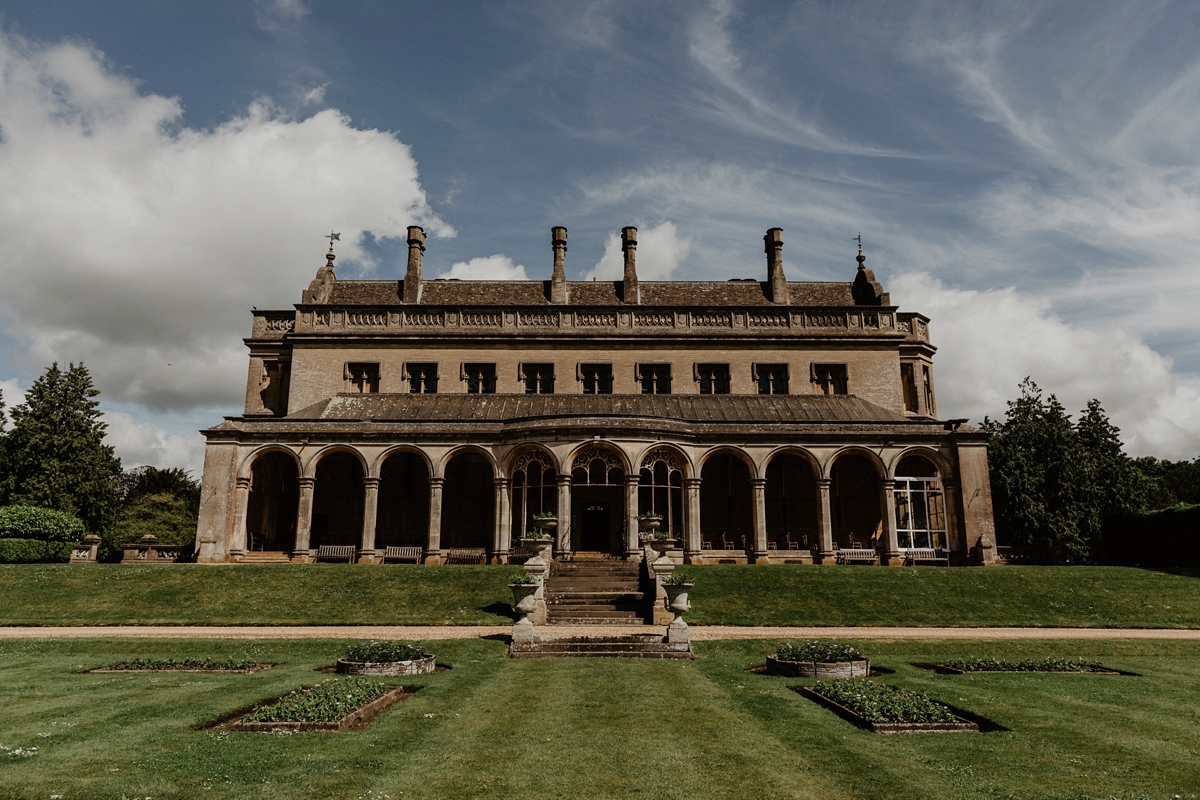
(433, 546)
(660, 568)
(631, 517)
(887, 499)
(304, 519)
(562, 546)
(366, 550)
(759, 488)
(241, 503)
(825, 520)
(692, 550)
(954, 538)
(502, 537)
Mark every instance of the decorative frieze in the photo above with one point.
(358, 318)
(484, 319)
(652, 320)
(713, 320)
(826, 321)
(280, 324)
(588, 319)
(540, 319)
(759, 320)
(431, 319)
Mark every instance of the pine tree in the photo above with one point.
(55, 454)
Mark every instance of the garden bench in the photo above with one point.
(846, 555)
(466, 555)
(335, 552)
(915, 554)
(408, 554)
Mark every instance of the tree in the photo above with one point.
(160, 514)
(177, 483)
(1175, 482)
(54, 454)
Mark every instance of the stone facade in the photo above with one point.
(767, 422)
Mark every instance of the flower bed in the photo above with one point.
(964, 665)
(817, 659)
(386, 658)
(883, 708)
(337, 705)
(184, 665)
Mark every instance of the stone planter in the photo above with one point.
(546, 523)
(662, 546)
(539, 546)
(649, 524)
(678, 604)
(419, 666)
(818, 669)
(524, 603)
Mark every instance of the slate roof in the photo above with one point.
(590, 293)
(475, 408)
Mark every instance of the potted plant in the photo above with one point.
(649, 521)
(386, 658)
(546, 521)
(537, 541)
(817, 659)
(524, 586)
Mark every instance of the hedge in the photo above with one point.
(1168, 537)
(31, 551)
(41, 524)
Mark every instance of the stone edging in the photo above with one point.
(818, 669)
(419, 666)
(962, 726)
(352, 720)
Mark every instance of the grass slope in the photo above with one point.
(724, 595)
(494, 727)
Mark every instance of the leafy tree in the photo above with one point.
(1175, 482)
(55, 456)
(177, 483)
(161, 514)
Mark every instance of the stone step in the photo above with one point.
(663, 654)
(266, 558)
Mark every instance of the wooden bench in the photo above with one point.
(404, 554)
(466, 555)
(335, 552)
(846, 555)
(930, 554)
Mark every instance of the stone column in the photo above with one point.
(955, 540)
(241, 503)
(501, 533)
(562, 547)
(304, 519)
(759, 487)
(887, 492)
(433, 546)
(692, 552)
(366, 550)
(825, 520)
(631, 517)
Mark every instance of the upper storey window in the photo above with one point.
(480, 378)
(829, 379)
(539, 378)
(596, 378)
(422, 378)
(909, 383)
(655, 378)
(713, 378)
(361, 378)
(771, 378)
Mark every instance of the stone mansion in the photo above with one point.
(765, 421)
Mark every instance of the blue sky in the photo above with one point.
(1026, 175)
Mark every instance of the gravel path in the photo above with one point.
(700, 633)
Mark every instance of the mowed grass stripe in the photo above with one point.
(347, 594)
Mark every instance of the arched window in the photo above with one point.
(534, 490)
(597, 466)
(660, 489)
(920, 505)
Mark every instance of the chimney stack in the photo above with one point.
(412, 277)
(558, 283)
(773, 244)
(629, 286)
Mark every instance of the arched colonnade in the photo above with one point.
(721, 499)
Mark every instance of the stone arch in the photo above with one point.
(247, 464)
(314, 461)
(402, 512)
(881, 469)
(599, 497)
(928, 453)
(338, 497)
(856, 477)
(468, 498)
(377, 465)
(685, 462)
(465, 448)
(736, 452)
(792, 500)
(661, 472)
(920, 499)
(618, 452)
(273, 502)
(727, 499)
(533, 486)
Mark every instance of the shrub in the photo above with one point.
(161, 515)
(824, 652)
(42, 524)
(185, 663)
(1029, 665)
(878, 702)
(521, 578)
(325, 702)
(385, 651)
(31, 551)
(676, 578)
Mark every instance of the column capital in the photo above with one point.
(243, 483)
(824, 483)
(306, 482)
(692, 482)
(371, 483)
(887, 483)
(436, 482)
(632, 480)
(563, 479)
(758, 483)
(501, 483)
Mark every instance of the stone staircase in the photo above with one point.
(637, 645)
(268, 557)
(594, 592)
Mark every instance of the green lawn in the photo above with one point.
(494, 727)
(724, 595)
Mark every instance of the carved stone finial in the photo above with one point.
(321, 287)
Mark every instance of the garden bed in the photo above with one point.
(336, 705)
(882, 708)
(818, 659)
(386, 659)
(183, 665)
(1061, 666)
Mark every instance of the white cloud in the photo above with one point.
(989, 341)
(136, 244)
(660, 251)
(496, 267)
(13, 395)
(145, 444)
(316, 95)
(273, 11)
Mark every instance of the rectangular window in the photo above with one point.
(909, 383)
(771, 378)
(829, 379)
(422, 378)
(713, 378)
(538, 378)
(596, 378)
(930, 405)
(361, 378)
(480, 378)
(654, 378)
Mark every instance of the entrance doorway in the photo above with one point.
(595, 526)
(598, 502)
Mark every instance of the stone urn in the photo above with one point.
(524, 603)
(663, 546)
(649, 524)
(540, 545)
(545, 523)
(678, 604)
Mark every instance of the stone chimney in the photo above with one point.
(773, 244)
(558, 283)
(416, 251)
(629, 286)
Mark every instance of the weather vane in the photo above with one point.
(333, 237)
(858, 239)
